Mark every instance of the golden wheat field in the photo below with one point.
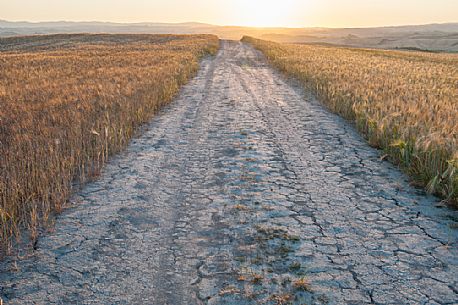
(404, 102)
(67, 102)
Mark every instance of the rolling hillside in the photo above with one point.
(431, 37)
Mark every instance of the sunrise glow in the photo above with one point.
(259, 13)
(265, 13)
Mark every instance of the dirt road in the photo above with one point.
(244, 191)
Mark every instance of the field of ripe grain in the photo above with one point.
(404, 102)
(67, 102)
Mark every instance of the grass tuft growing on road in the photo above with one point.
(67, 102)
(405, 103)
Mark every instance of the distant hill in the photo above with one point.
(432, 37)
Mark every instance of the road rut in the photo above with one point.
(244, 190)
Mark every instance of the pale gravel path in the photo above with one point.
(244, 175)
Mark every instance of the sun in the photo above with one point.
(265, 13)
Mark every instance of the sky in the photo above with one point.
(274, 13)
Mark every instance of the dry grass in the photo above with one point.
(403, 102)
(67, 102)
(302, 284)
(282, 299)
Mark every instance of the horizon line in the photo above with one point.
(227, 25)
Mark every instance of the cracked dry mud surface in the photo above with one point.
(244, 191)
